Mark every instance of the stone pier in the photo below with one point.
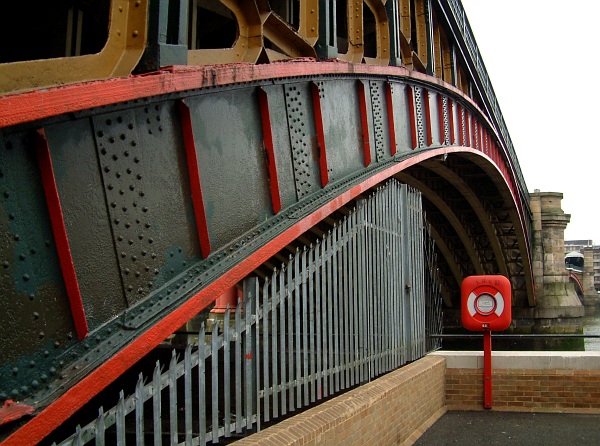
(558, 308)
(590, 296)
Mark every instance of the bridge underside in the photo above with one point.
(127, 217)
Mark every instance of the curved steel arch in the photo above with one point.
(309, 136)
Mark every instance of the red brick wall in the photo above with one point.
(386, 411)
(525, 390)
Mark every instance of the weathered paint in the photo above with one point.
(60, 235)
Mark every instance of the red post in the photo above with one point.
(487, 369)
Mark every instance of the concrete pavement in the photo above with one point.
(489, 427)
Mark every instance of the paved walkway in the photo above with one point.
(489, 428)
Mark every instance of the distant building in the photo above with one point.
(577, 246)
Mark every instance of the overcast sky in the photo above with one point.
(542, 57)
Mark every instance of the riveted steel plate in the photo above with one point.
(147, 193)
(302, 138)
(79, 183)
(342, 128)
(378, 110)
(401, 117)
(446, 117)
(281, 143)
(36, 323)
(421, 118)
(232, 162)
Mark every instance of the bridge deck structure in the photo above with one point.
(148, 175)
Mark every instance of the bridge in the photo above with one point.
(344, 163)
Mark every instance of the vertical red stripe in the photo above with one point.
(461, 128)
(194, 174)
(318, 116)
(60, 235)
(428, 116)
(451, 120)
(468, 129)
(265, 116)
(390, 115)
(362, 99)
(410, 97)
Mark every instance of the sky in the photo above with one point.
(543, 61)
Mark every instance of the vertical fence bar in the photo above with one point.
(121, 420)
(156, 407)
(353, 258)
(172, 385)
(369, 290)
(378, 267)
(318, 320)
(394, 277)
(304, 314)
(214, 367)
(297, 329)
(324, 316)
(187, 383)
(274, 335)
(256, 316)
(386, 281)
(330, 345)
(238, 366)
(360, 310)
(335, 304)
(202, 385)
(311, 322)
(227, 370)
(290, 321)
(346, 296)
(266, 359)
(282, 331)
(139, 411)
(101, 429)
(250, 292)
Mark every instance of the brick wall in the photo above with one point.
(393, 409)
(525, 389)
(525, 381)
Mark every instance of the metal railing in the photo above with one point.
(338, 314)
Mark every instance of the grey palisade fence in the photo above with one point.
(339, 313)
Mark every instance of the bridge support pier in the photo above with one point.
(558, 309)
(591, 299)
